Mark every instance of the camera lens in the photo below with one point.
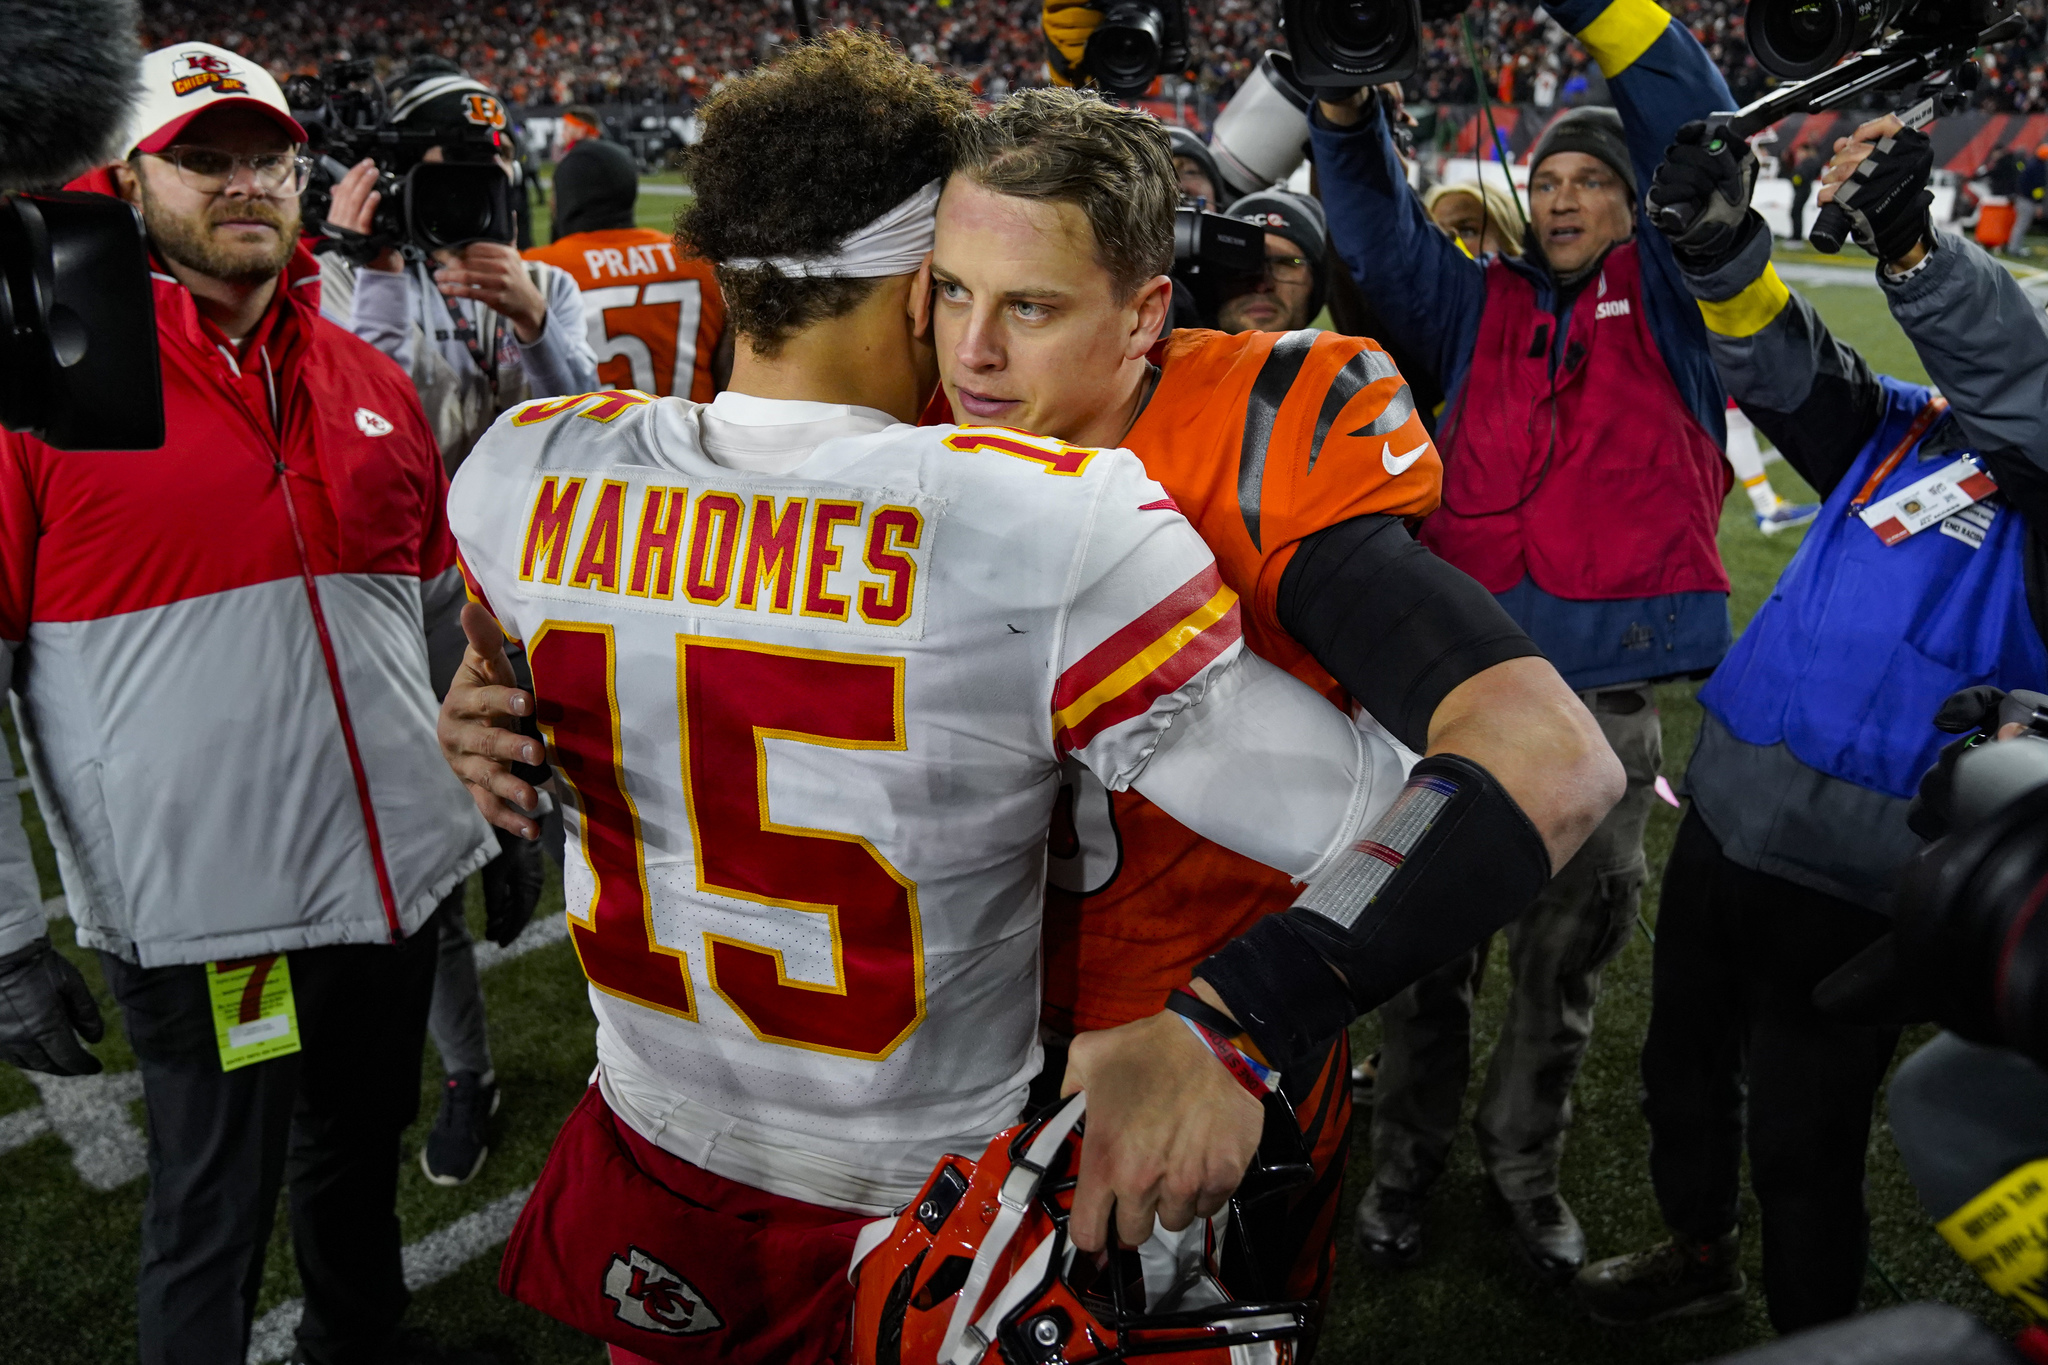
(1361, 29)
(1126, 50)
(1800, 38)
(449, 204)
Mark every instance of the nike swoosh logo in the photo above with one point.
(1397, 465)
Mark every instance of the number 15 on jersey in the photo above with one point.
(731, 697)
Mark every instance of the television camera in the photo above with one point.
(1335, 44)
(423, 206)
(1923, 52)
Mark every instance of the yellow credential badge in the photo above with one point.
(2003, 1234)
(254, 1015)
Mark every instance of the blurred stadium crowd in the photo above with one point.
(655, 52)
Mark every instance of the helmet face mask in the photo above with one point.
(995, 1230)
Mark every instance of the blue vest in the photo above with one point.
(1859, 644)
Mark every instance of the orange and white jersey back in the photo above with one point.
(654, 311)
(812, 725)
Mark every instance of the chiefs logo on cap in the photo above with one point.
(192, 72)
(484, 110)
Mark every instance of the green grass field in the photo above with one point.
(67, 1252)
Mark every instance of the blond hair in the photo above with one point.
(1496, 203)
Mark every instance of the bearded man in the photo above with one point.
(244, 604)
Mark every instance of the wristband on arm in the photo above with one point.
(1449, 863)
(1223, 1036)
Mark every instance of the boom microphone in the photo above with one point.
(71, 74)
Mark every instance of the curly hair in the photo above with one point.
(800, 154)
(1067, 146)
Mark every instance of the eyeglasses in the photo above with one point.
(209, 170)
(1287, 269)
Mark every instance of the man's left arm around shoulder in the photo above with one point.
(1517, 776)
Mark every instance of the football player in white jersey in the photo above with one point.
(809, 674)
(807, 962)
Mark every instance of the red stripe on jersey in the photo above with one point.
(1135, 638)
(1187, 661)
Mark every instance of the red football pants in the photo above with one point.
(672, 1264)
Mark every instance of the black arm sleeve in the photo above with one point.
(1398, 627)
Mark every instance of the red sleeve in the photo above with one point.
(18, 535)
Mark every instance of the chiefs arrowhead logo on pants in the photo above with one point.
(650, 1295)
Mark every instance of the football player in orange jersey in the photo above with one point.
(657, 320)
(1299, 456)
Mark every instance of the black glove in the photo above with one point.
(512, 885)
(1973, 714)
(1699, 197)
(1887, 198)
(44, 1006)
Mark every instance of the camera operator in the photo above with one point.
(1288, 293)
(479, 329)
(1816, 728)
(1583, 480)
(1969, 1111)
(1195, 165)
(215, 653)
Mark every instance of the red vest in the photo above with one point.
(1602, 488)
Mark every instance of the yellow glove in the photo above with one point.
(1067, 25)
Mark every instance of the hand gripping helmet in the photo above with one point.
(978, 1271)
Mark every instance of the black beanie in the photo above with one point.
(435, 95)
(1595, 131)
(596, 185)
(1300, 220)
(1296, 217)
(1184, 143)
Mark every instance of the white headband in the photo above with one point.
(894, 244)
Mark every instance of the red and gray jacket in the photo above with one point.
(218, 653)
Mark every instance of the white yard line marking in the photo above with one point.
(430, 1260)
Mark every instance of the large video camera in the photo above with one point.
(1969, 940)
(1134, 43)
(423, 206)
(1215, 258)
(1345, 44)
(1336, 44)
(78, 352)
(1924, 58)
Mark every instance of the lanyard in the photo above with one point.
(1926, 419)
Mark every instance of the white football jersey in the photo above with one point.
(814, 724)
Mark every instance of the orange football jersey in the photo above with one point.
(1261, 439)
(654, 310)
